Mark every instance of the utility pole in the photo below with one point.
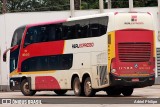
(72, 8)
(4, 8)
(159, 15)
(109, 4)
(130, 5)
(101, 6)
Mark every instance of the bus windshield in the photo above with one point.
(16, 40)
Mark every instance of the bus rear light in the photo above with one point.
(151, 79)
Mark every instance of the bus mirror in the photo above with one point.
(4, 57)
(5, 53)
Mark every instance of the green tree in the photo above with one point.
(120, 3)
(37, 5)
(56, 5)
(89, 4)
(21, 5)
(53, 5)
(145, 3)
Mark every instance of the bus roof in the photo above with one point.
(110, 14)
(133, 20)
(70, 19)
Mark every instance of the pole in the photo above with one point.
(4, 8)
(130, 5)
(109, 4)
(72, 8)
(159, 14)
(101, 6)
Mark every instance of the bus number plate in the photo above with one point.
(135, 80)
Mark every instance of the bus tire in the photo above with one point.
(88, 90)
(77, 87)
(127, 91)
(60, 92)
(25, 89)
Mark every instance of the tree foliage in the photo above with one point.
(56, 5)
(89, 4)
(37, 5)
(145, 3)
(120, 3)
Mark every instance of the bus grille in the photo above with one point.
(134, 52)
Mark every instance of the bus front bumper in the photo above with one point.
(135, 82)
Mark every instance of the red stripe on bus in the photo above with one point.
(45, 48)
(46, 83)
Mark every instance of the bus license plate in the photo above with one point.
(135, 80)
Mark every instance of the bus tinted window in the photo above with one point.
(44, 33)
(53, 63)
(103, 22)
(17, 37)
(54, 32)
(37, 34)
(65, 61)
(94, 27)
(69, 29)
(82, 28)
(44, 63)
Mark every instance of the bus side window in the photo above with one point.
(31, 35)
(82, 28)
(41, 63)
(94, 27)
(17, 37)
(43, 34)
(25, 65)
(51, 33)
(58, 31)
(68, 30)
(65, 61)
(53, 62)
(29, 65)
(103, 25)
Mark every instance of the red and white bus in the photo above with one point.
(114, 52)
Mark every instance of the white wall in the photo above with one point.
(3, 70)
(10, 21)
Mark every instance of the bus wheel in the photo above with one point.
(88, 90)
(77, 87)
(60, 92)
(127, 91)
(25, 89)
